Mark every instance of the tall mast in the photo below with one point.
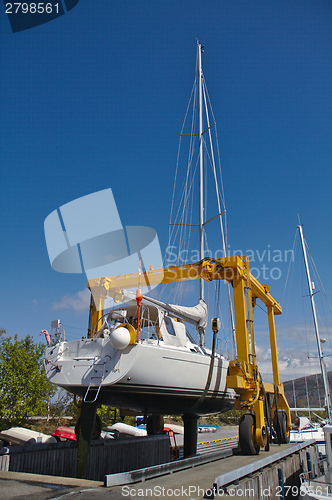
(201, 192)
(200, 135)
(313, 307)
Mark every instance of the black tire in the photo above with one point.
(247, 428)
(155, 425)
(280, 428)
(96, 428)
(284, 429)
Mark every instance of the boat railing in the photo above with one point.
(316, 487)
(318, 470)
(149, 329)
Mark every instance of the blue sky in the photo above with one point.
(96, 99)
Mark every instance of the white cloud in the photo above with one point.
(78, 302)
(297, 349)
(293, 363)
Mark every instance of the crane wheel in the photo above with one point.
(96, 428)
(280, 429)
(155, 425)
(247, 429)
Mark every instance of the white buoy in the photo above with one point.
(120, 338)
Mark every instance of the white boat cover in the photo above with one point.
(196, 314)
(127, 429)
(21, 436)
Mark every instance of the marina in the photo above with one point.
(140, 358)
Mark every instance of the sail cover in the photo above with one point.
(196, 315)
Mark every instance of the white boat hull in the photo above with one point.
(308, 434)
(146, 377)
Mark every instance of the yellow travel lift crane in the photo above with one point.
(265, 402)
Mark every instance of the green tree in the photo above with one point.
(62, 405)
(24, 390)
(108, 415)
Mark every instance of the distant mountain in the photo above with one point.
(315, 392)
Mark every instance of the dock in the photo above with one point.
(203, 476)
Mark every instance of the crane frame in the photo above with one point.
(243, 373)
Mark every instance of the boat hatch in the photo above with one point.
(173, 332)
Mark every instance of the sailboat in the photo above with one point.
(139, 356)
(306, 429)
